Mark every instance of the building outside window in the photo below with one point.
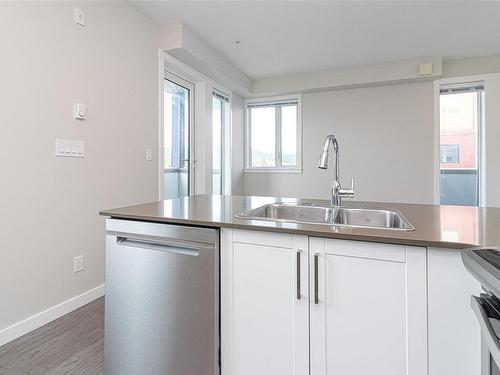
(450, 154)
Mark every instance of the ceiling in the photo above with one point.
(285, 37)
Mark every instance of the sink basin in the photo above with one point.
(371, 218)
(290, 212)
(329, 215)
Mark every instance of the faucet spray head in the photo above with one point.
(323, 160)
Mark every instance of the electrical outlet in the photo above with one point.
(78, 263)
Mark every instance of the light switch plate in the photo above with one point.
(149, 154)
(70, 148)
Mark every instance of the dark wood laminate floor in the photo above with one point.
(70, 345)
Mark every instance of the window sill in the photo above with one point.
(274, 170)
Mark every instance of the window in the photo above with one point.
(177, 104)
(274, 134)
(460, 128)
(220, 115)
(450, 153)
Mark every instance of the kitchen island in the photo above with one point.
(321, 299)
(454, 227)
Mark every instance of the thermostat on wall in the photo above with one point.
(79, 17)
(80, 111)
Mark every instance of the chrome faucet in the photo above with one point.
(337, 192)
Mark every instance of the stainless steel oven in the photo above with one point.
(484, 265)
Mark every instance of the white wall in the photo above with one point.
(386, 73)
(181, 42)
(471, 66)
(49, 209)
(386, 140)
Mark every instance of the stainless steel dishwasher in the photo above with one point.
(162, 299)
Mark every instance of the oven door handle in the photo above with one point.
(487, 333)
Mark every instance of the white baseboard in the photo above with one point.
(33, 322)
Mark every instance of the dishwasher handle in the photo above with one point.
(149, 245)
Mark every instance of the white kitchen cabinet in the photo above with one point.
(265, 307)
(370, 315)
(454, 336)
(381, 308)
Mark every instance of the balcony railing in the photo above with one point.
(460, 187)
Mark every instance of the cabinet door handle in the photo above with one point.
(316, 299)
(298, 273)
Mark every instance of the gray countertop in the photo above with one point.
(454, 227)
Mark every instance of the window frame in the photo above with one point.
(168, 73)
(455, 85)
(225, 140)
(278, 102)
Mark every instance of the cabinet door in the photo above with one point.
(454, 335)
(369, 316)
(264, 303)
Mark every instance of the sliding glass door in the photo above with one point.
(177, 133)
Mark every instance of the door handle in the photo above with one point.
(316, 298)
(298, 273)
(172, 249)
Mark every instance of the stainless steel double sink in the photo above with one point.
(329, 215)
